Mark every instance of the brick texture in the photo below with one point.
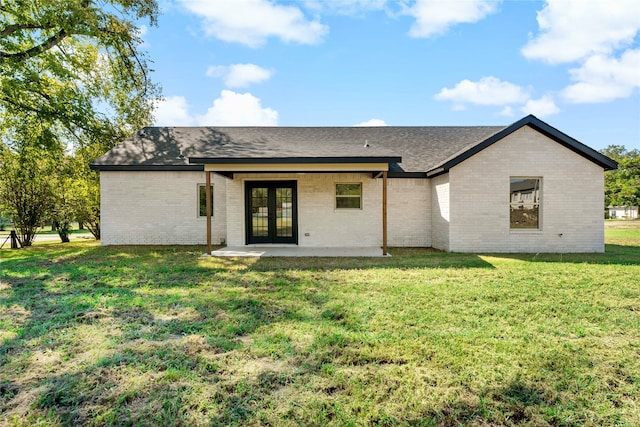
(572, 198)
(440, 217)
(158, 208)
(320, 224)
(465, 210)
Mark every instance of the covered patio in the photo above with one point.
(297, 251)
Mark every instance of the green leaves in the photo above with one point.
(72, 78)
(622, 186)
(77, 64)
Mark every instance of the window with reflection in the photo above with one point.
(202, 200)
(349, 196)
(524, 203)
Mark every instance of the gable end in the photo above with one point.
(538, 125)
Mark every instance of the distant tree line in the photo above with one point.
(622, 186)
(73, 84)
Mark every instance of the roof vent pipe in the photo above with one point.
(366, 143)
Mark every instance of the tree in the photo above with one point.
(62, 211)
(86, 191)
(76, 67)
(62, 59)
(25, 190)
(622, 186)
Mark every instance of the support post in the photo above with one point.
(384, 213)
(207, 192)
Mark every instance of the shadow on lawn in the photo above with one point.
(103, 341)
(514, 403)
(613, 255)
(401, 258)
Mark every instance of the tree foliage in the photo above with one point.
(26, 191)
(76, 63)
(72, 75)
(622, 186)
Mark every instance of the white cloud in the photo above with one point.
(252, 22)
(542, 107)
(371, 123)
(230, 109)
(488, 91)
(345, 7)
(239, 75)
(173, 111)
(491, 91)
(434, 17)
(506, 111)
(238, 109)
(571, 30)
(603, 79)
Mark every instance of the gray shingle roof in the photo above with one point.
(420, 148)
(433, 149)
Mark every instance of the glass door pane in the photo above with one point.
(260, 212)
(284, 212)
(270, 213)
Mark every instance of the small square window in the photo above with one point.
(524, 203)
(349, 196)
(202, 200)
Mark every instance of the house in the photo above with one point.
(623, 212)
(526, 187)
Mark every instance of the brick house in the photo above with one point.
(526, 187)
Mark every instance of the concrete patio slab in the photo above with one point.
(296, 251)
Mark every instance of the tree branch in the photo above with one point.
(36, 50)
(12, 28)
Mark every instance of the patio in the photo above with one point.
(296, 251)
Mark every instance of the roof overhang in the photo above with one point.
(296, 164)
(540, 126)
(146, 168)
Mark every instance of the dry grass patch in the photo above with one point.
(158, 336)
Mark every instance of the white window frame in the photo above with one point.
(533, 203)
(198, 187)
(335, 194)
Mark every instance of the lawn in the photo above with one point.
(160, 336)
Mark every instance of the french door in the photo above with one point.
(271, 212)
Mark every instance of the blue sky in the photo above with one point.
(573, 63)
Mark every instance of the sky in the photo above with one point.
(573, 63)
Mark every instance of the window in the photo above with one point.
(348, 196)
(524, 203)
(202, 200)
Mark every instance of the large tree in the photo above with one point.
(622, 186)
(74, 67)
(76, 62)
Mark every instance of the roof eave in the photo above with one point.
(145, 168)
(542, 127)
(291, 160)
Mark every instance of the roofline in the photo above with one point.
(406, 175)
(290, 160)
(146, 168)
(542, 127)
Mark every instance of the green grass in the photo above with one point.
(47, 230)
(159, 336)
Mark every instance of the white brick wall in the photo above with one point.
(159, 208)
(571, 203)
(440, 206)
(466, 210)
(408, 210)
